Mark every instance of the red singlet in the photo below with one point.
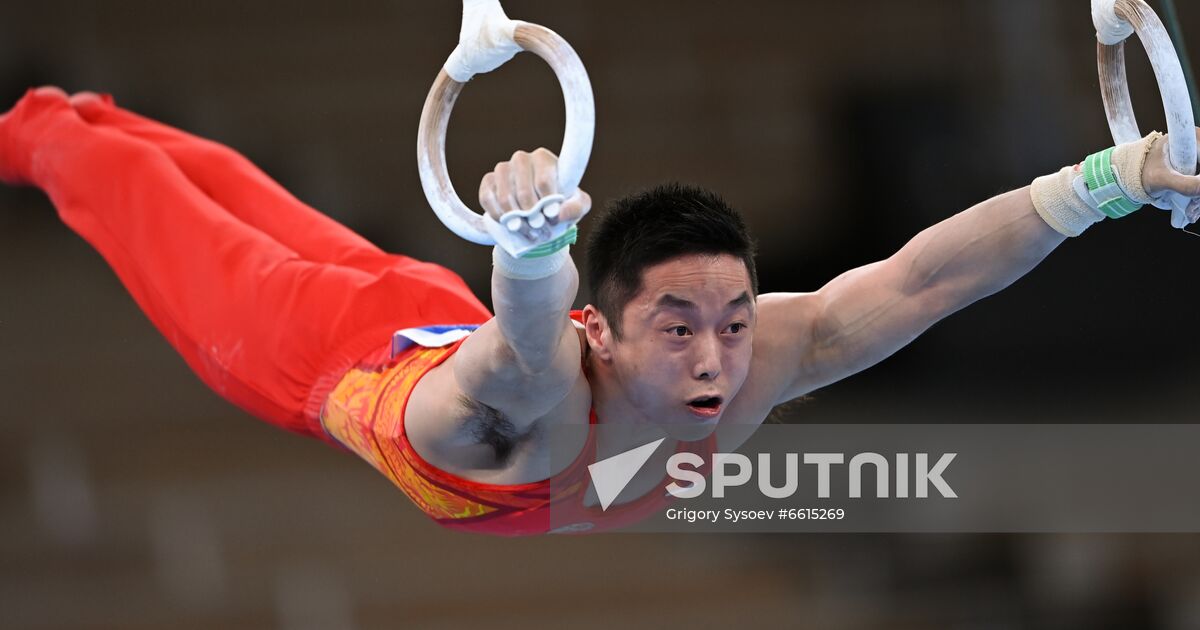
(365, 413)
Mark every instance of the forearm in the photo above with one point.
(532, 314)
(866, 314)
(977, 252)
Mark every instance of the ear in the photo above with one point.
(598, 333)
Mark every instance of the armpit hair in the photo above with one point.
(487, 425)
(787, 412)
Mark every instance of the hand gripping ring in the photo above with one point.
(1112, 18)
(577, 138)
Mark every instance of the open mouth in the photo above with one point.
(706, 406)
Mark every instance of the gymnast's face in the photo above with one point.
(685, 343)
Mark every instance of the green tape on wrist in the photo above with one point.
(550, 247)
(1102, 184)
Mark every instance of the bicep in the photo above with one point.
(866, 314)
(487, 370)
(856, 320)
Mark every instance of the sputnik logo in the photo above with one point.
(610, 476)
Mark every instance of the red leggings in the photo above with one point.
(269, 301)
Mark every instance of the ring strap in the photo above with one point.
(1103, 185)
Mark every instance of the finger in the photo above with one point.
(528, 232)
(537, 219)
(487, 196)
(545, 172)
(553, 213)
(1187, 185)
(575, 207)
(504, 192)
(522, 180)
(545, 179)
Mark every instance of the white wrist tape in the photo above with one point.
(1110, 28)
(485, 41)
(1106, 184)
(1055, 199)
(529, 268)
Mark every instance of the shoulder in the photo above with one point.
(783, 336)
(488, 368)
(786, 313)
(783, 339)
(462, 435)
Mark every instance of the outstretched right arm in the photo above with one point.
(525, 361)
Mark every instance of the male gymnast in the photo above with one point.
(304, 324)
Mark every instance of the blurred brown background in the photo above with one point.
(131, 497)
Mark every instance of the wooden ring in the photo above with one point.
(577, 138)
(1171, 84)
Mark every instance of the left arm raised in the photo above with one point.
(866, 314)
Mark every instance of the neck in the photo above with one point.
(626, 426)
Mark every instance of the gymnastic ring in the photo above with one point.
(1171, 83)
(577, 138)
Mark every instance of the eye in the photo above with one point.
(679, 331)
(737, 327)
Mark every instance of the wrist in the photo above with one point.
(1129, 163)
(1059, 199)
(1104, 188)
(529, 268)
(1107, 184)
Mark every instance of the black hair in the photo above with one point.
(487, 425)
(653, 226)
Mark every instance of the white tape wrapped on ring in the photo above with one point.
(485, 41)
(1110, 28)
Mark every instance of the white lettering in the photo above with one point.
(881, 474)
(721, 480)
(924, 475)
(823, 461)
(791, 476)
(676, 472)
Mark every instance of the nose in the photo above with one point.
(707, 360)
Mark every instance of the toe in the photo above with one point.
(90, 104)
(50, 91)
